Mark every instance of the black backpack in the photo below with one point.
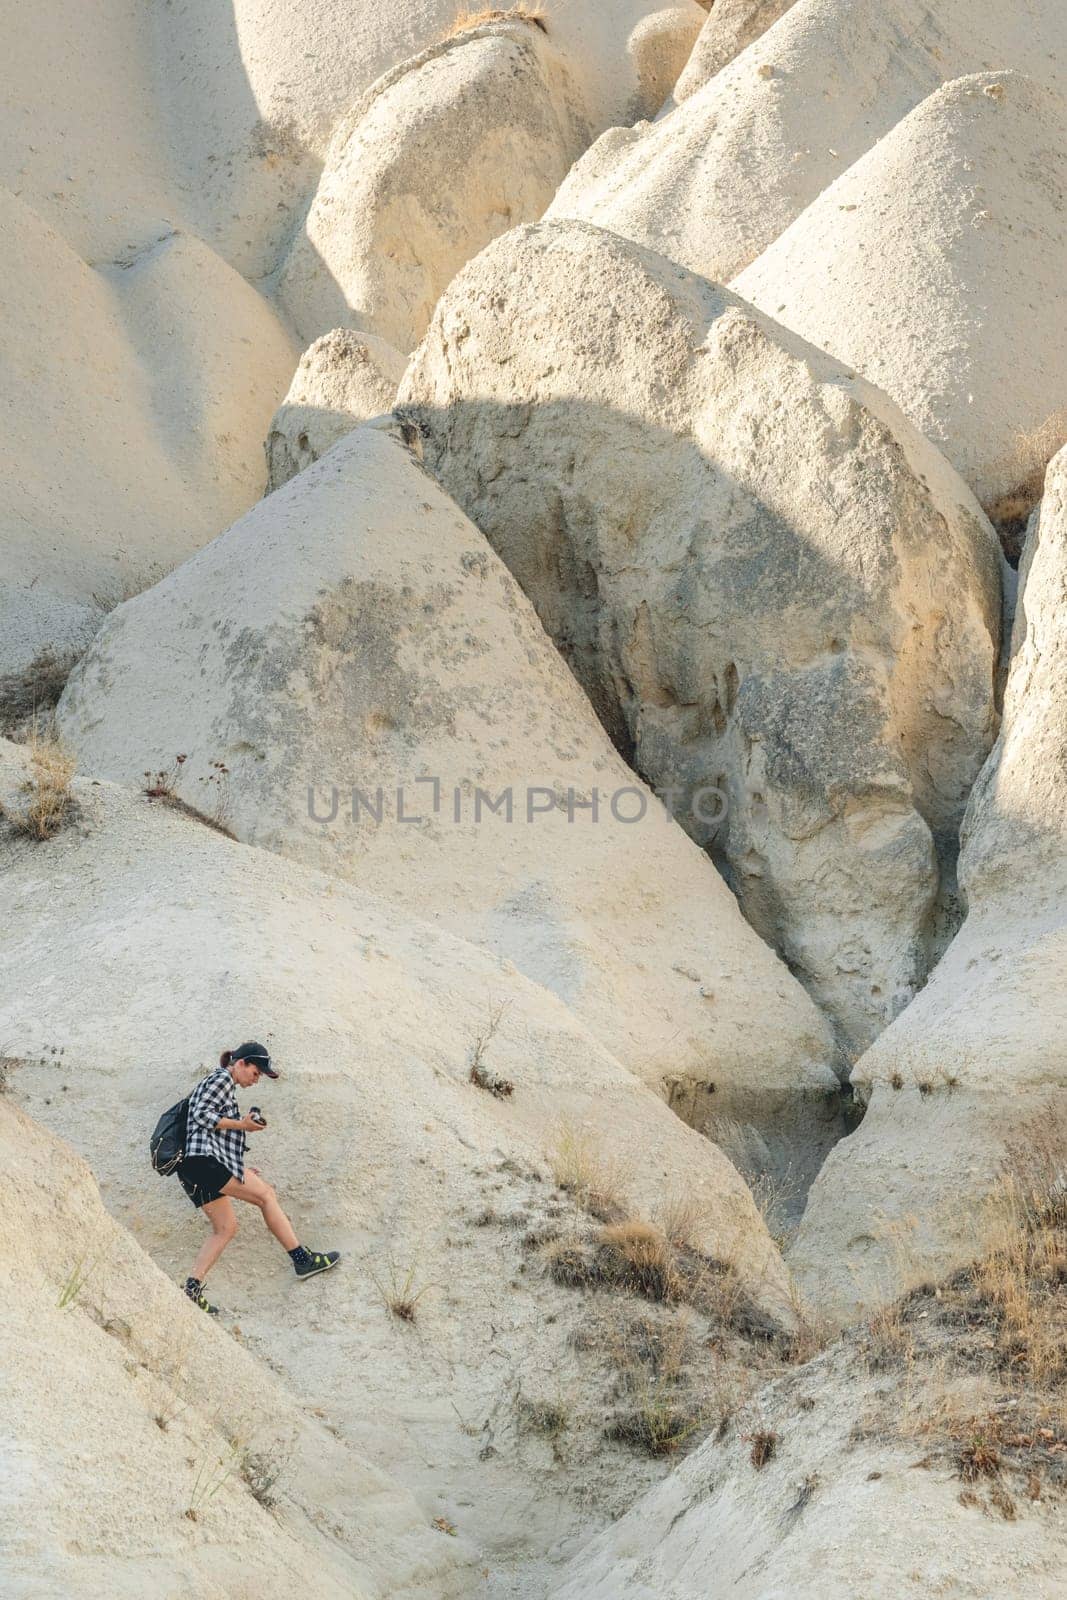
(167, 1144)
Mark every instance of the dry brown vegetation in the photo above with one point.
(680, 1340)
(763, 1443)
(32, 695)
(162, 785)
(666, 1387)
(1011, 513)
(48, 803)
(482, 1075)
(549, 1418)
(399, 1293)
(467, 18)
(594, 1183)
(984, 1355)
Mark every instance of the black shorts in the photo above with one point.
(203, 1178)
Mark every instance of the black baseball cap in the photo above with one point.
(256, 1055)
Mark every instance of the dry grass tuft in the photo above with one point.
(978, 1456)
(592, 1182)
(1037, 446)
(33, 694)
(466, 18)
(763, 1443)
(889, 1338)
(662, 1403)
(399, 1294)
(638, 1256)
(632, 1256)
(49, 803)
(1011, 512)
(549, 1418)
(569, 1262)
(655, 1426)
(985, 1353)
(682, 1219)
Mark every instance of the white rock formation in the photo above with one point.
(182, 941)
(835, 1513)
(122, 1412)
(254, 90)
(354, 637)
(144, 163)
(441, 155)
(84, 138)
(731, 27)
(937, 266)
(135, 399)
(343, 379)
(743, 551)
(658, 50)
(715, 182)
(972, 1078)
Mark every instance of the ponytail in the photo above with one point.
(225, 1058)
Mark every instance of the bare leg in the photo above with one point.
(256, 1192)
(223, 1227)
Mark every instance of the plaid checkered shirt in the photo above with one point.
(213, 1098)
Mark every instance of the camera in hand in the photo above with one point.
(257, 1116)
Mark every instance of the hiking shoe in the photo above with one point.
(195, 1293)
(204, 1303)
(316, 1262)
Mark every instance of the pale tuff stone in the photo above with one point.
(357, 632)
(123, 1410)
(379, 1145)
(731, 27)
(744, 551)
(105, 483)
(716, 181)
(343, 379)
(972, 1079)
(441, 155)
(937, 266)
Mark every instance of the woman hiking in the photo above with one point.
(213, 1172)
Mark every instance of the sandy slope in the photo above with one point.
(123, 1408)
(383, 1148)
(355, 635)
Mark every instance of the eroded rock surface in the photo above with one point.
(731, 27)
(716, 181)
(220, 1469)
(744, 552)
(809, 1493)
(433, 1187)
(441, 155)
(972, 1079)
(135, 398)
(937, 267)
(343, 379)
(388, 708)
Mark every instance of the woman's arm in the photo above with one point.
(207, 1105)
